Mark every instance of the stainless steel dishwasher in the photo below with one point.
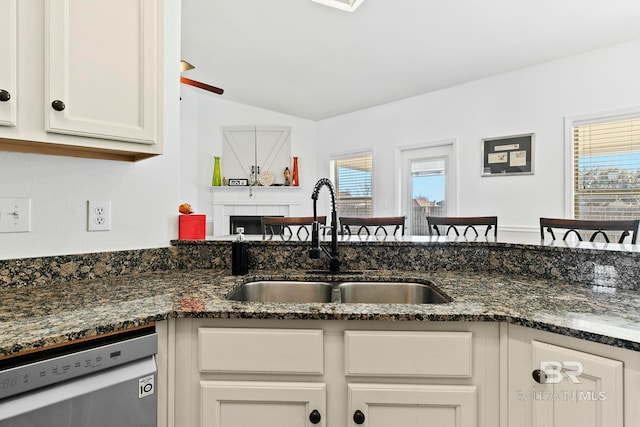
(101, 382)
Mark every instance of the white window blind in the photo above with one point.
(607, 170)
(352, 178)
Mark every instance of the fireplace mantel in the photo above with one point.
(257, 200)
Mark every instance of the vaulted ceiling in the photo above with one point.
(312, 61)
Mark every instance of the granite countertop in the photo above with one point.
(37, 316)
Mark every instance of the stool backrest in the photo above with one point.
(280, 224)
(604, 228)
(372, 225)
(442, 225)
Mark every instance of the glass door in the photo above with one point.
(428, 185)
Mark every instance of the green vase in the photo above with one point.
(217, 179)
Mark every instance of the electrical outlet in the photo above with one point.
(99, 215)
(15, 215)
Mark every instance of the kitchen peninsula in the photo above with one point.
(584, 293)
(589, 290)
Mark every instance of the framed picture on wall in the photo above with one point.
(508, 155)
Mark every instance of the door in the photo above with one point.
(580, 389)
(267, 404)
(8, 66)
(102, 69)
(427, 185)
(383, 405)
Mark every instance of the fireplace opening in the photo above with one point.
(252, 224)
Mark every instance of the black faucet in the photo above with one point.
(316, 250)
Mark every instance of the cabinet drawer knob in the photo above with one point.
(315, 417)
(539, 376)
(4, 95)
(358, 417)
(58, 105)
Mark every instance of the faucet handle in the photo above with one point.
(315, 252)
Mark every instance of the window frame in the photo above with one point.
(580, 120)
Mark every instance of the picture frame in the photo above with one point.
(508, 155)
(238, 182)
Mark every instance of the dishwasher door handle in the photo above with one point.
(37, 399)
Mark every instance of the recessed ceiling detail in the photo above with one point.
(346, 5)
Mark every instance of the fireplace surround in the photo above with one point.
(231, 202)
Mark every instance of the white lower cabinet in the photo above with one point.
(557, 381)
(381, 405)
(267, 404)
(245, 372)
(286, 373)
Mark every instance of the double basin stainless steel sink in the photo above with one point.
(343, 292)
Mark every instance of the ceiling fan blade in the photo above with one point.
(200, 85)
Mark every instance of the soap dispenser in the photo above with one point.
(239, 255)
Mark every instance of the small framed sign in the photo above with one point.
(510, 155)
(238, 182)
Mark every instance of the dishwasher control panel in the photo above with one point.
(41, 373)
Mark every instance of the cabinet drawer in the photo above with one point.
(424, 354)
(293, 351)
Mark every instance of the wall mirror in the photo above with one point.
(249, 151)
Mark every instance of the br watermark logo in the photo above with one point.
(555, 372)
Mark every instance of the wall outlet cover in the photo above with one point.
(98, 215)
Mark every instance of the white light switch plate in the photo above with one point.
(15, 215)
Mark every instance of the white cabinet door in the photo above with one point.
(587, 384)
(251, 150)
(579, 389)
(267, 404)
(273, 151)
(102, 65)
(8, 64)
(383, 405)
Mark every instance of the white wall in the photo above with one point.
(144, 195)
(203, 117)
(534, 99)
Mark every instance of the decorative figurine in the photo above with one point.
(287, 176)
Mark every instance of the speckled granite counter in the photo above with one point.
(37, 316)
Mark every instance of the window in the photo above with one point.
(606, 170)
(352, 178)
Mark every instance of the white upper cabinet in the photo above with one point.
(101, 59)
(8, 64)
(85, 78)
